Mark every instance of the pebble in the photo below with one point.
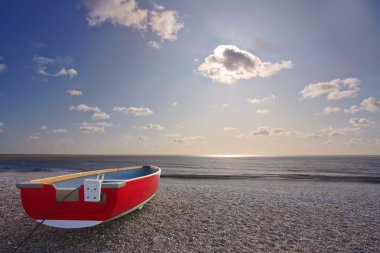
(214, 216)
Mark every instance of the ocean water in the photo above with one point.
(349, 168)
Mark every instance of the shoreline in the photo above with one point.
(290, 177)
(214, 215)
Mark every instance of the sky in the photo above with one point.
(192, 77)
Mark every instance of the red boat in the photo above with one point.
(89, 198)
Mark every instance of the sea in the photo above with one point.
(333, 168)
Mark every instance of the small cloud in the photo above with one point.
(3, 67)
(370, 104)
(260, 100)
(35, 136)
(152, 126)
(361, 122)
(142, 138)
(186, 140)
(242, 135)
(85, 108)
(357, 142)
(74, 92)
(41, 60)
(353, 109)
(2, 127)
(43, 128)
(98, 127)
(226, 129)
(336, 134)
(312, 136)
(263, 131)
(100, 116)
(221, 106)
(165, 23)
(154, 44)
(229, 64)
(270, 131)
(175, 104)
(264, 45)
(335, 89)
(64, 142)
(59, 131)
(330, 109)
(196, 60)
(262, 111)
(120, 109)
(67, 72)
(58, 64)
(36, 45)
(135, 111)
(340, 132)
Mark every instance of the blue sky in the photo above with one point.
(190, 77)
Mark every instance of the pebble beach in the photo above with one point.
(209, 215)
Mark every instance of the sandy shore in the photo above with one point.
(204, 215)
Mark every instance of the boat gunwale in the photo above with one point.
(39, 183)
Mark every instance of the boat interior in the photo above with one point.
(111, 176)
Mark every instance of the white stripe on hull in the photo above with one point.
(70, 223)
(86, 223)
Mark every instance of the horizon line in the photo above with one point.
(190, 155)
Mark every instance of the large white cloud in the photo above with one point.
(135, 111)
(162, 22)
(229, 64)
(121, 12)
(335, 89)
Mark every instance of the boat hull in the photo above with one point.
(46, 203)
